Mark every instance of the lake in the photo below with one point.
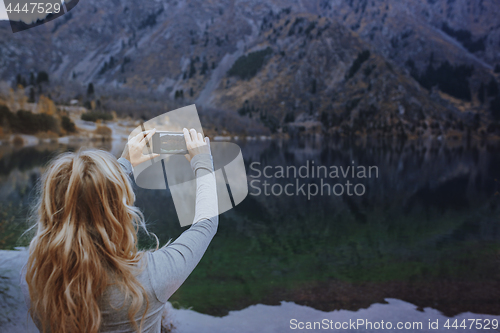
(425, 229)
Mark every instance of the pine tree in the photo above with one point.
(90, 89)
(495, 108)
(31, 98)
(492, 88)
(42, 77)
(192, 70)
(204, 68)
(480, 93)
(19, 80)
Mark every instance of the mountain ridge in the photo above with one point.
(190, 46)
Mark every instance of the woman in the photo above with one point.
(85, 273)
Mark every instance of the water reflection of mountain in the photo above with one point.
(426, 231)
(428, 177)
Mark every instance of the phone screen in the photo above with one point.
(169, 143)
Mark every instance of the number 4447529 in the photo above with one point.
(485, 324)
(40, 8)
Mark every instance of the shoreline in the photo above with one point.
(19, 140)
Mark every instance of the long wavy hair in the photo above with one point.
(86, 239)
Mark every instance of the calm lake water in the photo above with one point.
(425, 231)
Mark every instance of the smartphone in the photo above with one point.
(169, 143)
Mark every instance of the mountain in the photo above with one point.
(467, 29)
(352, 67)
(455, 39)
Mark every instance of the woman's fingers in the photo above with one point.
(207, 140)
(195, 143)
(151, 156)
(187, 136)
(193, 135)
(139, 136)
(146, 136)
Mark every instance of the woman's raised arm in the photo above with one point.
(171, 265)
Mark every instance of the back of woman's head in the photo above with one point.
(86, 239)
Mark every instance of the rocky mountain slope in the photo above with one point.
(419, 34)
(380, 67)
(470, 27)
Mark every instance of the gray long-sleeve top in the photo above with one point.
(167, 268)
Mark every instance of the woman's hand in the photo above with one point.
(195, 143)
(133, 149)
